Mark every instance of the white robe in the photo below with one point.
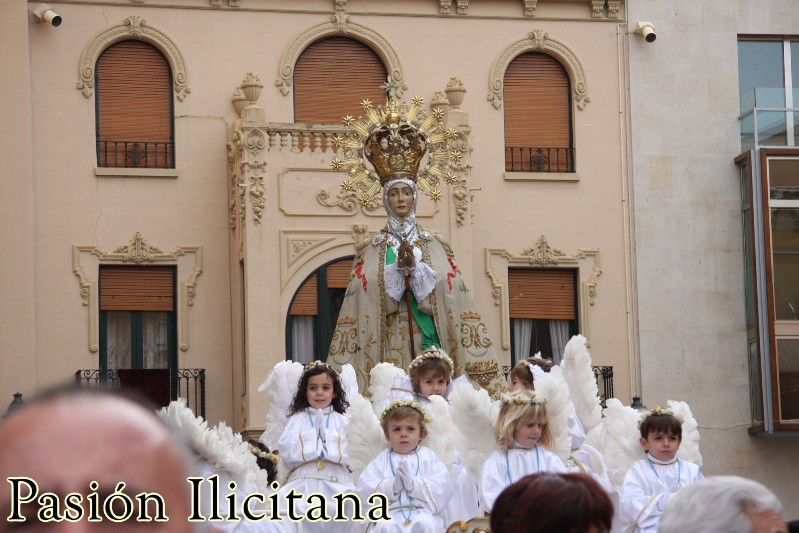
(644, 494)
(424, 506)
(506, 466)
(303, 453)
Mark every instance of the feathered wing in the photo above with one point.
(280, 386)
(349, 381)
(474, 418)
(441, 430)
(617, 439)
(380, 382)
(365, 439)
(689, 448)
(552, 387)
(583, 389)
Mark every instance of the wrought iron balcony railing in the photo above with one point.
(135, 154)
(187, 383)
(538, 159)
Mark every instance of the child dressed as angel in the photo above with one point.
(650, 482)
(313, 445)
(414, 480)
(523, 434)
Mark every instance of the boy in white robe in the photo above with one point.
(413, 479)
(650, 482)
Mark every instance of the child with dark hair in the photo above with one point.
(266, 460)
(313, 445)
(412, 477)
(650, 482)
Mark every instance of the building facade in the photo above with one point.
(169, 200)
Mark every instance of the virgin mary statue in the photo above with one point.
(405, 293)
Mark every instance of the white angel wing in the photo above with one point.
(441, 430)
(381, 379)
(349, 381)
(617, 439)
(474, 417)
(552, 387)
(365, 439)
(689, 448)
(280, 386)
(583, 389)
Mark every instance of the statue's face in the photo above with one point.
(400, 199)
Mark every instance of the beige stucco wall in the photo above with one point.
(236, 328)
(684, 109)
(17, 225)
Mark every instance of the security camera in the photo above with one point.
(45, 13)
(645, 30)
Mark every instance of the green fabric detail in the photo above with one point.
(423, 320)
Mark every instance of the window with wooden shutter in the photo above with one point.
(537, 102)
(332, 77)
(134, 107)
(543, 311)
(137, 289)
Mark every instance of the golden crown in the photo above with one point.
(394, 138)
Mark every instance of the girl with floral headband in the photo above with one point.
(523, 435)
(650, 482)
(414, 480)
(313, 446)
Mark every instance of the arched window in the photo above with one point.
(332, 77)
(134, 107)
(314, 311)
(538, 118)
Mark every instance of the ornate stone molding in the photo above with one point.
(139, 252)
(340, 24)
(613, 8)
(132, 28)
(300, 246)
(538, 41)
(529, 7)
(543, 255)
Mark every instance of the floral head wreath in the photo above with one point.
(433, 353)
(406, 403)
(659, 411)
(272, 457)
(315, 364)
(510, 398)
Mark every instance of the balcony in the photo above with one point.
(159, 385)
(135, 154)
(538, 159)
(769, 117)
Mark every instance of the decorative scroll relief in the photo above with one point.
(301, 246)
(538, 41)
(132, 28)
(542, 255)
(138, 252)
(297, 187)
(340, 24)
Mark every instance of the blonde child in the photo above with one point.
(414, 480)
(313, 446)
(650, 482)
(522, 433)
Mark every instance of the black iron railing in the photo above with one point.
(135, 154)
(604, 381)
(538, 159)
(187, 383)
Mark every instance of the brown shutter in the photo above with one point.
(134, 97)
(305, 299)
(332, 77)
(537, 103)
(338, 274)
(136, 289)
(538, 293)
